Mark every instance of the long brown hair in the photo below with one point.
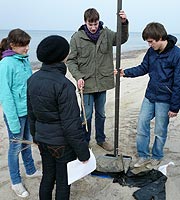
(17, 37)
(3, 46)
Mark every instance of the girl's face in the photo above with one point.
(20, 50)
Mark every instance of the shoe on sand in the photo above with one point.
(153, 163)
(38, 173)
(20, 190)
(142, 162)
(106, 146)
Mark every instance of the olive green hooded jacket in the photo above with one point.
(94, 62)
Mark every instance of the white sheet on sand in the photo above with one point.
(163, 168)
(77, 170)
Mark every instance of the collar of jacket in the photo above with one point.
(20, 57)
(61, 67)
(83, 35)
(15, 55)
(8, 52)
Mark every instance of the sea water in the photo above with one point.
(135, 41)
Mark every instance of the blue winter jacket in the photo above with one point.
(164, 73)
(14, 72)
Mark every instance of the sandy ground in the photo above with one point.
(96, 188)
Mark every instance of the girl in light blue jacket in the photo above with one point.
(15, 69)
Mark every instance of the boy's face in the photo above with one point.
(156, 45)
(92, 26)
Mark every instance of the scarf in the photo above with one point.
(93, 36)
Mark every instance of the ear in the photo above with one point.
(11, 45)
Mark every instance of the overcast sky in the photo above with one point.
(68, 14)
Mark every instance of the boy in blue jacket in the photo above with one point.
(162, 97)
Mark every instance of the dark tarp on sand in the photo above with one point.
(151, 183)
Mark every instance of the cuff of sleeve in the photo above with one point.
(126, 22)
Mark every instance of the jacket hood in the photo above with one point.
(171, 43)
(8, 52)
(53, 67)
(172, 39)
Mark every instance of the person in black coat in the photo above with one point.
(54, 117)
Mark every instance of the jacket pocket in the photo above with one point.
(104, 47)
(21, 93)
(84, 51)
(164, 89)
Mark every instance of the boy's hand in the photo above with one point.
(115, 71)
(123, 16)
(172, 114)
(80, 83)
(121, 72)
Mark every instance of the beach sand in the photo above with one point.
(93, 187)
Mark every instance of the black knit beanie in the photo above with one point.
(52, 49)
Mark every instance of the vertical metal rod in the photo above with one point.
(117, 88)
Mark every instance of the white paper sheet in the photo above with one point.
(77, 170)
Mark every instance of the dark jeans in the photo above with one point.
(54, 163)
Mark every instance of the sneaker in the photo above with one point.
(153, 163)
(142, 162)
(106, 146)
(20, 190)
(36, 174)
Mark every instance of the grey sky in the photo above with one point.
(68, 14)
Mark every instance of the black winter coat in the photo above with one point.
(53, 110)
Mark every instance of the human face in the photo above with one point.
(92, 26)
(20, 49)
(156, 45)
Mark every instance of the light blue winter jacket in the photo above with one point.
(14, 72)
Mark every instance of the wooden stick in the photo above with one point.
(22, 141)
(83, 109)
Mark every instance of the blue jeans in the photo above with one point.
(15, 150)
(98, 101)
(54, 163)
(149, 110)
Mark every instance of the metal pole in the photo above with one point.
(117, 88)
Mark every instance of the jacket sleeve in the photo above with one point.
(139, 70)
(6, 98)
(124, 33)
(175, 98)
(71, 123)
(72, 61)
